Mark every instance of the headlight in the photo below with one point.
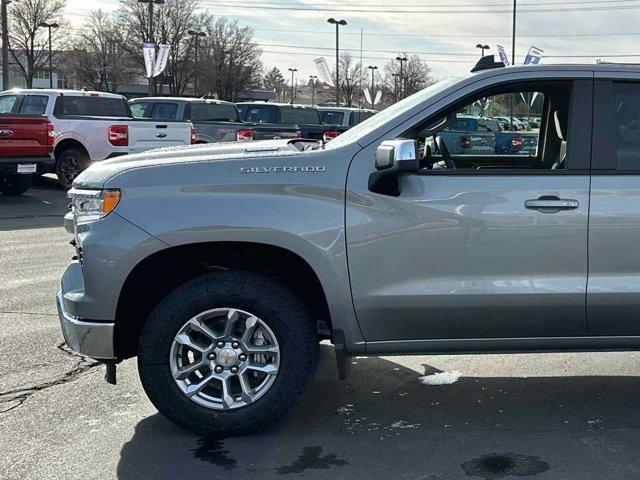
(91, 205)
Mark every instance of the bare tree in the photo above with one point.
(28, 40)
(274, 80)
(96, 59)
(350, 75)
(416, 75)
(230, 59)
(172, 21)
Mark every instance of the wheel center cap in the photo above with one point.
(227, 357)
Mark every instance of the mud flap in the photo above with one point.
(342, 359)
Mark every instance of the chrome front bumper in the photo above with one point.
(93, 339)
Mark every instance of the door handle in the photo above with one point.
(551, 204)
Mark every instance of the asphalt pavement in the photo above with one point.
(548, 416)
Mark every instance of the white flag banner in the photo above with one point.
(323, 71)
(161, 59)
(367, 95)
(503, 55)
(534, 56)
(378, 97)
(149, 54)
(533, 98)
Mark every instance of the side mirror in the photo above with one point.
(399, 155)
(393, 158)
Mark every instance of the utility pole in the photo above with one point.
(6, 85)
(50, 26)
(313, 89)
(513, 36)
(196, 36)
(373, 69)
(401, 60)
(337, 23)
(292, 70)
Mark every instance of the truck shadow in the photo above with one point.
(42, 206)
(384, 423)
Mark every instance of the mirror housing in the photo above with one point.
(398, 155)
(393, 158)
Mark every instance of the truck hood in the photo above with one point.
(98, 173)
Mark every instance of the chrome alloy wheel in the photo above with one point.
(224, 358)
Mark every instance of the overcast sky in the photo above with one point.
(443, 33)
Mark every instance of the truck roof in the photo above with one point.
(181, 99)
(276, 104)
(596, 67)
(61, 91)
(344, 109)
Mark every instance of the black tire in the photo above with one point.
(275, 304)
(16, 184)
(69, 164)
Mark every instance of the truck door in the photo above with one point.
(496, 248)
(613, 294)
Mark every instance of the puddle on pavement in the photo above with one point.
(493, 466)
(212, 451)
(311, 459)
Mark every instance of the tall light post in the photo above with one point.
(513, 36)
(313, 89)
(482, 47)
(337, 23)
(373, 69)
(292, 70)
(50, 26)
(150, 4)
(401, 59)
(5, 46)
(196, 36)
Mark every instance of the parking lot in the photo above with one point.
(556, 416)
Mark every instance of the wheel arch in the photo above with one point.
(175, 265)
(66, 144)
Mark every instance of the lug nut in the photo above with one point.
(242, 357)
(218, 369)
(235, 344)
(234, 369)
(220, 344)
(211, 356)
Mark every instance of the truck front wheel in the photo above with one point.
(69, 164)
(227, 353)
(16, 184)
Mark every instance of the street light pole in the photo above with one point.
(196, 36)
(50, 26)
(395, 86)
(150, 4)
(401, 60)
(513, 36)
(337, 23)
(5, 46)
(292, 70)
(373, 69)
(313, 89)
(482, 47)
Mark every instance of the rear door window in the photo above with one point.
(164, 111)
(90, 106)
(359, 117)
(333, 118)
(627, 111)
(299, 116)
(7, 102)
(34, 104)
(260, 114)
(214, 112)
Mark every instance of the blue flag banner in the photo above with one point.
(534, 56)
(503, 56)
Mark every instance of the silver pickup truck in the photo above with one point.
(222, 266)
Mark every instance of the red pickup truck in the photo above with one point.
(26, 146)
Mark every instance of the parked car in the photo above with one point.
(26, 146)
(221, 268)
(346, 116)
(306, 118)
(214, 120)
(92, 126)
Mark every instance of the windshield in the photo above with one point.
(376, 121)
